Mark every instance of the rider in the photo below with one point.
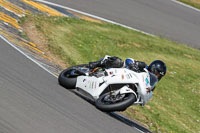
(157, 67)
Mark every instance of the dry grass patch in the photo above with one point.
(38, 38)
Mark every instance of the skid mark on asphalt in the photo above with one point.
(43, 8)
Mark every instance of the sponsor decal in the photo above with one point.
(122, 76)
(95, 85)
(92, 84)
(128, 76)
(147, 81)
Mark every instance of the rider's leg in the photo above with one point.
(108, 62)
(100, 63)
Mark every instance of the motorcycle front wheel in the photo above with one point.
(68, 78)
(108, 103)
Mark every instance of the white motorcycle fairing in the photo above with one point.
(95, 86)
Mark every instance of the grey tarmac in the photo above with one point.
(31, 101)
(164, 18)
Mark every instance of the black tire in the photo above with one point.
(66, 81)
(119, 106)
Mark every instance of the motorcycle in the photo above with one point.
(112, 89)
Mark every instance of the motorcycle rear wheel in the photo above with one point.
(121, 105)
(69, 81)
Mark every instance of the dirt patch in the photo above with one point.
(137, 45)
(195, 1)
(39, 39)
(189, 56)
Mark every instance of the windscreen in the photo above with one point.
(153, 80)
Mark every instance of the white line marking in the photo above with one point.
(12, 45)
(183, 4)
(27, 56)
(93, 16)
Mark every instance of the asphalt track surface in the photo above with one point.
(31, 101)
(159, 17)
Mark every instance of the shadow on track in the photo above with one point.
(115, 115)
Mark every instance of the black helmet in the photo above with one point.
(158, 67)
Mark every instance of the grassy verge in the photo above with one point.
(175, 106)
(194, 3)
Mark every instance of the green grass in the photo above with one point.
(175, 106)
(194, 3)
